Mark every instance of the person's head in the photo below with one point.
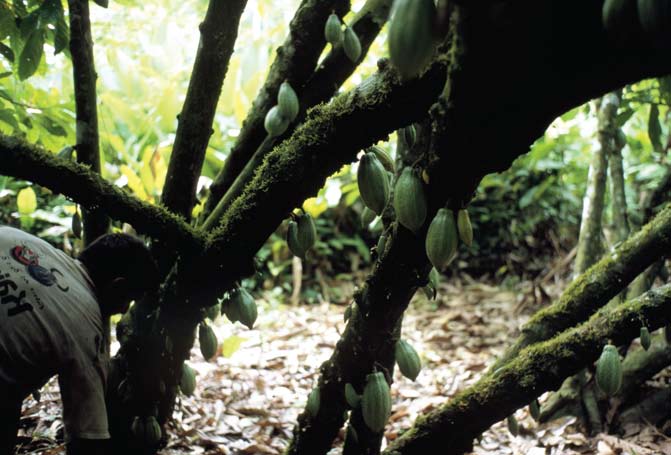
(122, 270)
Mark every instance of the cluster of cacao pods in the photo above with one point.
(376, 402)
(350, 41)
(443, 234)
(240, 306)
(301, 235)
(407, 359)
(609, 370)
(654, 17)
(411, 36)
(146, 430)
(284, 112)
(208, 341)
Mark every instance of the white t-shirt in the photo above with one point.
(50, 323)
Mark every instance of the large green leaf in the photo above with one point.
(31, 55)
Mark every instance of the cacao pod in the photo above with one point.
(124, 328)
(246, 308)
(609, 370)
(620, 18)
(409, 200)
(408, 360)
(381, 244)
(187, 382)
(655, 18)
(229, 307)
(376, 402)
(535, 410)
(137, 427)
(152, 431)
(312, 406)
(351, 45)
(351, 438)
(411, 36)
(333, 30)
(275, 123)
(367, 217)
(208, 341)
(373, 183)
(292, 240)
(409, 134)
(306, 233)
(77, 225)
(125, 392)
(465, 228)
(212, 312)
(431, 289)
(383, 157)
(513, 426)
(645, 338)
(353, 399)
(287, 101)
(441, 239)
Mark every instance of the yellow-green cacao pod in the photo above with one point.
(411, 36)
(312, 406)
(306, 233)
(441, 239)
(609, 370)
(292, 240)
(367, 217)
(513, 426)
(275, 123)
(333, 30)
(619, 17)
(408, 360)
(373, 183)
(645, 338)
(383, 157)
(535, 410)
(287, 101)
(655, 18)
(376, 402)
(152, 431)
(353, 399)
(409, 134)
(187, 382)
(409, 200)
(208, 341)
(465, 228)
(351, 45)
(381, 244)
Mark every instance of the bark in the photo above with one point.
(640, 365)
(652, 410)
(537, 369)
(84, 74)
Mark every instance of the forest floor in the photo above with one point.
(248, 398)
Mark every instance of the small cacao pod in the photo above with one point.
(441, 239)
(353, 399)
(247, 308)
(465, 228)
(645, 338)
(609, 370)
(124, 391)
(208, 341)
(411, 36)
(312, 406)
(655, 18)
(367, 217)
(333, 30)
(306, 233)
(287, 101)
(381, 244)
(408, 360)
(513, 426)
(373, 183)
(619, 17)
(535, 410)
(187, 382)
(351, 45)
(431, 289)
(292, 240)
(275, 123)
(77, 225)
(137, 428)
(213, 312)
(409, 134)
(229, 307)
(409, 200)
(376, 402)
(383, 157)
(152, 431)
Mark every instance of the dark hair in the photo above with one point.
(121, 255)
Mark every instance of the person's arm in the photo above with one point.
(79, 446)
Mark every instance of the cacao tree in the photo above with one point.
(457, 71)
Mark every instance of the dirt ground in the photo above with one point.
(248, 398)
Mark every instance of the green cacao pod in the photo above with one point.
(351, 45)
(229, 307)
(411, 36)
(441, 239)
(367, 217)
(609, 370)
(381, 244)
(137, 428)
(376, 402)
(275, 123)
(208, 341)
(409, 134)
(152, 431)
(373, 183)
(247, 308)
(465, 228)
(187, 382)
(655, 18)
(333, 30)
(125, 392)
(383, 157)
(408, 360)
(620, 18)
(535, 410)
(306, 233)
(409, 200)
(287, 101)
(351, 439)
(292, 240)
(513, 426)
(312, 406)
(645, 338)
(353, 399)
(431, 289)
(213, 312)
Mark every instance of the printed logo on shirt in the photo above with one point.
(31, 260)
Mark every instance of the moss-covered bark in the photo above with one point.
(535, 370)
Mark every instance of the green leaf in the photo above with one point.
(29, 24)
(624, 115)
(655, 129)
(7, 52)
(26, 201)
(31, 55)
(7, 24)
(103, 3)
(61, 35)
(7, 116)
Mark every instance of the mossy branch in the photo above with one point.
(535, 370)
(79, 183)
